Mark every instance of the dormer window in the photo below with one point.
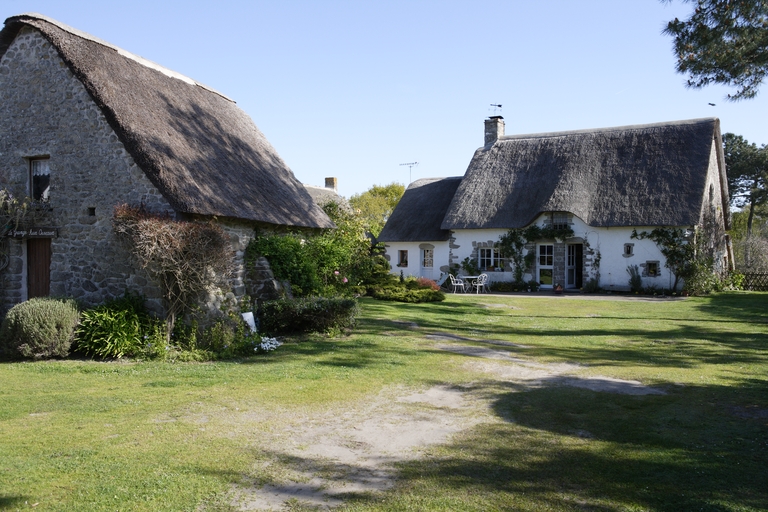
(560, 220)
(40, 179)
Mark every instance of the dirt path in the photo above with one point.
(354, 449)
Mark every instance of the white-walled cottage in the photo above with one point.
(600, 184)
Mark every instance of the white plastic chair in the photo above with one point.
(456, 283)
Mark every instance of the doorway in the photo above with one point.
(574, 263)
(545, 267)
(38, 267)
(427, 262)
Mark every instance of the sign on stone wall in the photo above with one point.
(34, 232)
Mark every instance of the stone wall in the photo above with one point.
(46, 112)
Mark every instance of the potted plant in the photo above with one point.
(558, 288)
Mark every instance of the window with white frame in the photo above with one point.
(560, 220)
(40, 179)
(488, 258)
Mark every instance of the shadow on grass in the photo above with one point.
(641, 340)
(12, 502)
(698, 448)
(702, 448)
(742, 307)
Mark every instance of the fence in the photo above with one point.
(756, 281)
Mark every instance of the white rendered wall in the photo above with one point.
(607, 242)
(414, 268)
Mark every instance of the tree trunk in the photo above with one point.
(747, 262)
(170, 322)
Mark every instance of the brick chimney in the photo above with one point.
(331, 183)
(494, 128)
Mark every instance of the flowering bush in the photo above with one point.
(425, 282)
(267, 345)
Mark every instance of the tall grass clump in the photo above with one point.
(40, 328)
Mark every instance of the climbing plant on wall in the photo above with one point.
(185, 258)
(685, 257)
(15, 211)
(512, 244)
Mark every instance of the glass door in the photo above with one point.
(427, 262)
(546, 264)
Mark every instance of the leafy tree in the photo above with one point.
(747, 168)
(376, 204)
(756, 246)
(341, 253)
(332, 262)
(686, 257)
(725, 42)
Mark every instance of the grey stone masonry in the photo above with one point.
(47, 112)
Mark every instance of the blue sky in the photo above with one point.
(352, 89)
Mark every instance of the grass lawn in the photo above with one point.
(83, 435)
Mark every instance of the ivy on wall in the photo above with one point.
(513, 242)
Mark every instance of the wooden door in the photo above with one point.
(38, 267)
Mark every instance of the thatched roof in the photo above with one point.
(324, 195)
(418, 215)
(645, 175)
(196, 146)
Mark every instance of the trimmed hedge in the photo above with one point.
(40, 328)
(310, 314)
(404, 294)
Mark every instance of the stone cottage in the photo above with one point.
(594, 186)
(85, 126)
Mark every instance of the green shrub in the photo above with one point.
(508, 286)
(287, 259)
(534, 285)
(733, 281)
(39, 328)
(229, 337)
(310, 314)
(115, 329)
(405, 294)
(700, 278)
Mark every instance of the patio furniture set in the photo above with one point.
(468, 284)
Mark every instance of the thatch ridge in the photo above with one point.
(639, 175)
(197, 147)
(418, 215)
